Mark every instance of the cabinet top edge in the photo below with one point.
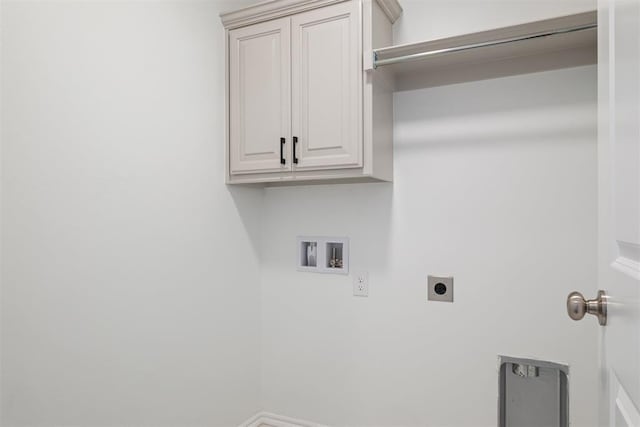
(391, 8)
(272, 9)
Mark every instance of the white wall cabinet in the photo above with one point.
(326, 87)
(260, 108)
(300, 105)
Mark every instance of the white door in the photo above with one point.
(619, 208)
(259, 98)
(326, 87)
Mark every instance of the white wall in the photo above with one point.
(130, 272)
(495, 184)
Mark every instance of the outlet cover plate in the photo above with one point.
(361, 284)
(440, 288)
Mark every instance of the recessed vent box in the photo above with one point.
(533, 393)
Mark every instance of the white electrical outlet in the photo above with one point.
(361, 284)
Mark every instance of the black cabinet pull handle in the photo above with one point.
(282, 160)
(295, 143)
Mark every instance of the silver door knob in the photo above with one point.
(577, 306)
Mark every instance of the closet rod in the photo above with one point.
(418, 56)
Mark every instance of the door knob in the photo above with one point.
(577, 306)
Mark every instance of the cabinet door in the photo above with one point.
(327, 87)
(259, 97)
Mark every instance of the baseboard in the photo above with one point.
(266, 419)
